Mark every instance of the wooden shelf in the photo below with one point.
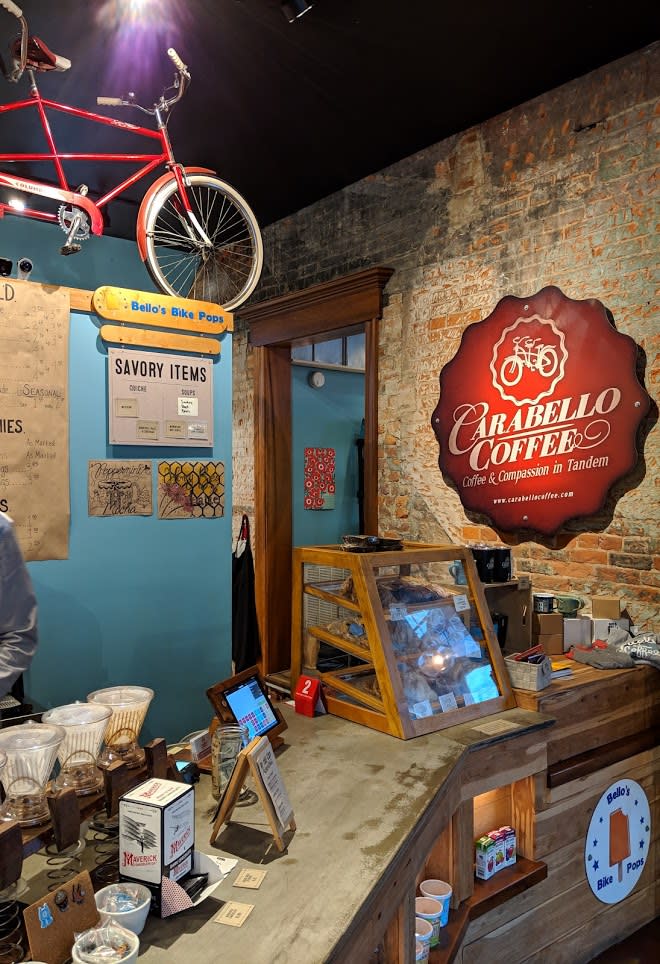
(361, 696)
(487, 895)
(338, 642)
(332, 597)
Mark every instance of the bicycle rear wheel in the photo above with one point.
(225, 273)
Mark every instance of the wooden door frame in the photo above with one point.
(332, 309)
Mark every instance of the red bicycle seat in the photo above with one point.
(39, 57)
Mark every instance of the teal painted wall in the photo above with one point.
(138, 600)
(326, 417)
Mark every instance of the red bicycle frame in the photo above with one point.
(64, 193)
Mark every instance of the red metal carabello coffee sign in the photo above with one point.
(539, 411)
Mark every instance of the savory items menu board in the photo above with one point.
(157, 398)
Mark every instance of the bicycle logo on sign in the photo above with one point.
(530, 353)
(528, 360)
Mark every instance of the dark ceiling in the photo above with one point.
(290, 112)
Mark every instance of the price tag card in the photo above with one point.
(398, 612)
(448, 702)
(492, 727)
(234, 914)
(126, 408)
(422, 709)
(461, 603)
(252, 879)
(472, 648)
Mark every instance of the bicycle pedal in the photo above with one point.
(70, 249)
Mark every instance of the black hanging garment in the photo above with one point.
(245, 646)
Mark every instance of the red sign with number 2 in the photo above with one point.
(307, 696)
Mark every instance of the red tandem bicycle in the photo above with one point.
(197, 236)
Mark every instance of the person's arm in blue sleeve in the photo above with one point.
(18, 610)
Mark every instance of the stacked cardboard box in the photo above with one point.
(605, 607)
(557, 633)
(548, 630)
(606, 615)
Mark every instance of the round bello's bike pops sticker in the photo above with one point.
(617, 843)
(539, 411)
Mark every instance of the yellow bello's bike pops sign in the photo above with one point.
(539, 410)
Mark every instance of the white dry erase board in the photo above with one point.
(156, 398)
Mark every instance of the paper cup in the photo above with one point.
(421, 952)
(438, 890)
(423, 932)
(429, 909)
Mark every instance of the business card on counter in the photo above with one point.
(234, 914)
(249, 878)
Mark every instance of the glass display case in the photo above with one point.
(399, 644)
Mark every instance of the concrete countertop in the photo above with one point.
(357, 795)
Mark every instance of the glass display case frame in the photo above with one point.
(370, 689)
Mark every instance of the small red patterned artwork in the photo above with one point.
(319, 478)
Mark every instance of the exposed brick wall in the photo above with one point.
(242, 429)
(558, 191)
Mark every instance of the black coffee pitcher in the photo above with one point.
(484, 557)
(502, 569)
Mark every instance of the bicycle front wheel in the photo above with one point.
(181, 263)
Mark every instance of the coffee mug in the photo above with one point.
(544, 602)
(569, 605)
(457, 573)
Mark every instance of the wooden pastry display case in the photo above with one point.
(398, 645)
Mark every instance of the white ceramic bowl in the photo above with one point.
(133, 919)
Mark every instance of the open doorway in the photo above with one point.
(327, 425)
(345, 305)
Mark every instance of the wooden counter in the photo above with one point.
(375, 815)
(606, 730)
(369, 809)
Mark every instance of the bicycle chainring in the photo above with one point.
(65, 217)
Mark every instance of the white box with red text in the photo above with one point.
(157, 831)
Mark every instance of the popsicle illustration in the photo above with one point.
(619, 840)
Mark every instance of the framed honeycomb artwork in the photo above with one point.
(191, 490)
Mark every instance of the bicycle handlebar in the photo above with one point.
(164, 104)
(176, 60)
(12, 8)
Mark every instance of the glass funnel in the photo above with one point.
(84, 725)
(31, 749)
(129, 705)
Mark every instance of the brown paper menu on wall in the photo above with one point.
(34, 416)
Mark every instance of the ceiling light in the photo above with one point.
(292, 9)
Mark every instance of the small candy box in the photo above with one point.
(509, 845)
(499, 839)
(485, 857)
